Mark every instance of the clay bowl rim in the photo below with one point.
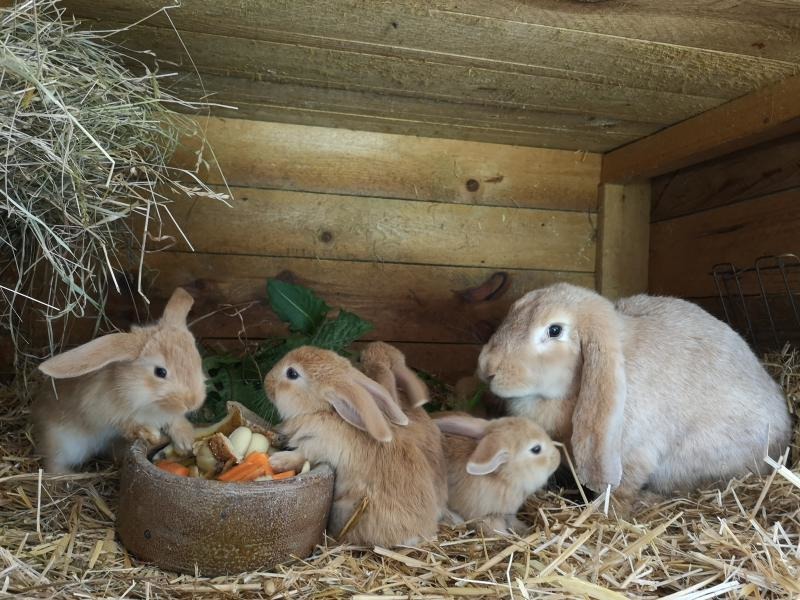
(141, 455)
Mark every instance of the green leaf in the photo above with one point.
(336, 334)
(297, 306)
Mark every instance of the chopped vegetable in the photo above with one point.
(222, 449)
(205, 459)
(173, 467)
(284, 475)
(258, 443)
(240, 441)
(306, 467)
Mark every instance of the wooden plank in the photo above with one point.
(408, 303)
(749, 173)
(684, 250)
(758, 117)
(762, 28)
(623, 239)
(327, 226)
(321, 159)
(422, 76)
(449, 36)
(363, 110)
(447, 362)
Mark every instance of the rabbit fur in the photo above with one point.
(648, 393)
(109, 387)
(333, 413)
(494, 466)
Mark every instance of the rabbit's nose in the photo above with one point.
(488, 377)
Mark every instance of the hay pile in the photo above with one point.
(743, 541)
(85, 143)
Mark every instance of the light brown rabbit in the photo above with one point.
(386, 364)
(333, 413)
(494, 466)
(122, 384)
(651, 393)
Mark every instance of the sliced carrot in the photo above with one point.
(284, 475)
(173, 467)
(261, 459)
(242, 472)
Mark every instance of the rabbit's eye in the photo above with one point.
(554, 331)
(291, 373)
(160, 372)
(536, 449)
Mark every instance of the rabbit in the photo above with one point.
(332, 413)
(494, 465)
(386, 365)
(652, 395)
(120, 386)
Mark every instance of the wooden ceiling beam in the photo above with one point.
(766, 114)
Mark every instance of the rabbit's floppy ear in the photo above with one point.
(488, 456)
(599, 411)
(465, 425)
(356, 406)
(383, 375)
(382, 398)
(178, 307)
(93, 355)
(414, 387)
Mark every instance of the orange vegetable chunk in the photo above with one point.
(173, 467)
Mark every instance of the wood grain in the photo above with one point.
(761, 28)
(747, 174)
(408, 303)
(326, 226)
(664, 95)
(684, 250)
(370, 111)
(558, 59)
(767, 114)
(321, 159)
(623, 239)
(450, 36)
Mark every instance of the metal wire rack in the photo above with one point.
(762, 302)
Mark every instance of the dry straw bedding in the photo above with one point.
(58, 541)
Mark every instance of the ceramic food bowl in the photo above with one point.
(182, 524)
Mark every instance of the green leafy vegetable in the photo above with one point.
(241, 379)
(297, 306)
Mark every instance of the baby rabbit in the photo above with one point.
(333, 413)
(387, 365)
(649, 392)
(129, 384)
(494, 466)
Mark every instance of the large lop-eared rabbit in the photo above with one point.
(333, 413)
(132, 385)
(494, 466)
(649, 393)
(386, 364)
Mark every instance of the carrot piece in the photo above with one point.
(261, 459)
(242, 472)
(284, 475)
(173, 467)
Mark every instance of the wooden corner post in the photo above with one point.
(623, 239)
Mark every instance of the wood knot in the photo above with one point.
(473, 185)
(326, 237)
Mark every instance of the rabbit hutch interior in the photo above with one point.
(338, 173)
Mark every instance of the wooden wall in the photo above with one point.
(390, 227)
(731, 210)
(550, 73)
